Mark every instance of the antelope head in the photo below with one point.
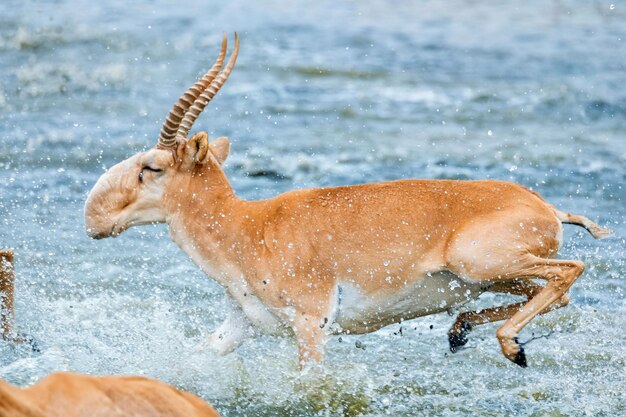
(134, 192)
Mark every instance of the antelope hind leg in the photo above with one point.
(465, 322)
(520, 244)
(560, 275)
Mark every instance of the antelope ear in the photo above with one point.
(220, 148)
(197, 148)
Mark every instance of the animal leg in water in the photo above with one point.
(560, 275)
(231, 333)
(465, 322)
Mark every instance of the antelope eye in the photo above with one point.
(147, 168)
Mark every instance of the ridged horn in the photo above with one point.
(201, 102)
(167, 137)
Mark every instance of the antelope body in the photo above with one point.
(72, 395)
(351, 259)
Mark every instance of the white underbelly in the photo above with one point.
(357, 312)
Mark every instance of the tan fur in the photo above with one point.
(72, 395)
(345, 259)
(291, 252)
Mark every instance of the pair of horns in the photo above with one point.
(195, 99)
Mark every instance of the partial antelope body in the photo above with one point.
(339, 260)
(71, 395)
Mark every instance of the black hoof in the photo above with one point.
(458, 339)
(520, 358)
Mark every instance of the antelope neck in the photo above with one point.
(205, 221)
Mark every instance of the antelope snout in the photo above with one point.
(98, 224)
(97, 234)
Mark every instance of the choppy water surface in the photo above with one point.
(324, 93)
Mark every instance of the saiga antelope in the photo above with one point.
(66, 394)
(337, 260)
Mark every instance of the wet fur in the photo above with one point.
(283, 260)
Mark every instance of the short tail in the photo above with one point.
(595, 230)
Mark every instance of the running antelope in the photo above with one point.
(352, 259)
(65, 394)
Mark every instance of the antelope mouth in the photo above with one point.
(118, 229)
(97, 234)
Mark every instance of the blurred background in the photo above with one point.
(324, 93)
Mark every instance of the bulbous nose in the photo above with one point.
(95, 227)
(98, 223)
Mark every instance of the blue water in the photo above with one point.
(324, 93)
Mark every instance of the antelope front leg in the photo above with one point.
(231, 333)
(311, 336)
